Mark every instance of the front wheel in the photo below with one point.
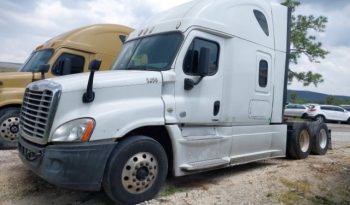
(136, 170)
(9, 126)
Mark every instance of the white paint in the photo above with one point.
(242, 130)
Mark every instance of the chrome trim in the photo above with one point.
(39, 126)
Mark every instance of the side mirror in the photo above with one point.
(44, 68)
(63, 67)
(67, 66)
(203, 68)
(203, 64)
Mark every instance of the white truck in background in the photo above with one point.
(199, 87)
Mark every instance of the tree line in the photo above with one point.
(330, 100)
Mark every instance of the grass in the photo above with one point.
(296, 193)
(269, 194)
(320, 200)
(169, 190)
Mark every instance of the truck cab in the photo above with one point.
(68, 53)
(197, 87)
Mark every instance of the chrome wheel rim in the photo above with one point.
(304, 140)
(323, 138)
(319, 119)
(139, 173)
(9, 129)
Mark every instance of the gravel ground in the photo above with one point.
(315, 180)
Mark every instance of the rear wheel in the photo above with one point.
(320, 138)
(304, 116)
(298, 141)
(9, 127)
(136, 170)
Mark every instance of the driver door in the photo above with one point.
(201, 104)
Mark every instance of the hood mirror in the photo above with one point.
(89, 95)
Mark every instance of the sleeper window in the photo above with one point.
(263, 73)
(260, 17)
(191, 60)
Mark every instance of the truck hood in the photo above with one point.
(15, 79)
(108, 79)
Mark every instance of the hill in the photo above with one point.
(315, 96)
(9, 67)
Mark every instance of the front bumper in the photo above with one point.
(76, 166)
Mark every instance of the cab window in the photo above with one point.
(68, 63)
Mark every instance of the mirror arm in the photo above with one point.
(42, 75)
(89, 95)
(199, 80)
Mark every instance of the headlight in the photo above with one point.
(75, 130)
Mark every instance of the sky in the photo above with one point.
(25, 24)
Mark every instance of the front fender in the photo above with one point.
(10, 96)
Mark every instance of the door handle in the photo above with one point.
(216, 108)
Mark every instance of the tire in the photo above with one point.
(127, 181)
(9, 124)
(320, 138)
(298, 141)
(348, 121)
(304, 116)
(320, 118)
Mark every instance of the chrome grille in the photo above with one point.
(35, 112)
(38, 110)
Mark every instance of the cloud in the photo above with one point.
(25, 24)
(334, 69)
(338, 14)
(326, 4)
(28, 23)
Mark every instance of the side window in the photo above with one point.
(260, 17)
(338, 109)
(263, 73)
(325, 108)
(191, 60)
(68, 64)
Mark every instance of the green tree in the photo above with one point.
(330, 100)
(294, 97)
(305, 44)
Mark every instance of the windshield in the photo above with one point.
(150, 53)
(36, 59)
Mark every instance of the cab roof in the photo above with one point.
(229, 18)
(99, 38)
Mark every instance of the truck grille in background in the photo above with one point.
(34, 120)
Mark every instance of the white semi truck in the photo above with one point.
(199, 87)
